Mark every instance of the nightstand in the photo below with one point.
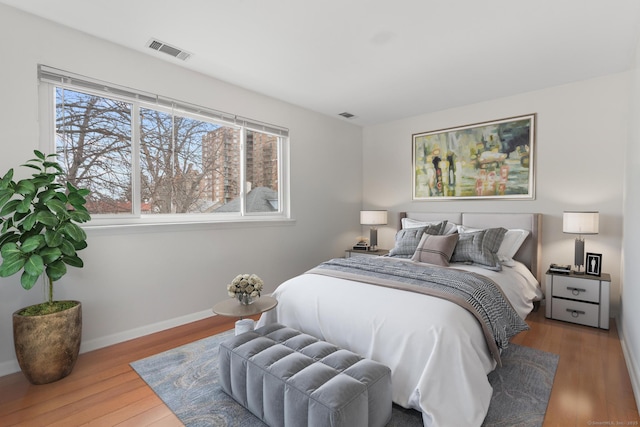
(353, 252)
(578, 298)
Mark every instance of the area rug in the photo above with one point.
(186, 379)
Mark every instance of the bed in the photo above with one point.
(438, 351)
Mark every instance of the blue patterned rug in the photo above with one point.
(186, 379)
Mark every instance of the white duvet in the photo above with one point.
(436, 350)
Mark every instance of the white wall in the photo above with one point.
(630, 315)
(137, 280)
(580, 145)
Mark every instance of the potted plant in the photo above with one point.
(39, 236)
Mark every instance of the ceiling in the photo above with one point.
(377, 59)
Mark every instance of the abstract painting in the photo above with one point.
(480, 161)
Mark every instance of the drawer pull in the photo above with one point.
(575, 313)
(575, 291)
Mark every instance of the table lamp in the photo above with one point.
(373, 218)
(580, 223)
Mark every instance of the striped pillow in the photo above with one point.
(435, 249)
(407, 239)
(480, 247)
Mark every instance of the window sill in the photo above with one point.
(169, 224)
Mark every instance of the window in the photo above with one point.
(144, 157)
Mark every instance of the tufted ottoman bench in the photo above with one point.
(287, 378)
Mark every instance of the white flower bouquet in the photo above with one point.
(245, 287)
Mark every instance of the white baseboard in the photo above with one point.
(12, 366)
(632, 368)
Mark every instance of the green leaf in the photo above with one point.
(10, 237)
(56, 270)
(41, 181)
(18, 217)
(9, 207)
(29, 221)
(5, 195)
(73, 231)
(32, 243)
(76, 199)
(46, 195)
(47, 218)
(27, 280)
(55, 166)
(67, 248)
(73, 261)
(25, 205)
(29, 165)
(39, 154)
(53, 238)
(80, 216)
(34, 265)
(80, 245)
(6, 179)
(84, 192)
(49, 255)
(25, 187)
(11, 266)
(10, 248)
(56, 206)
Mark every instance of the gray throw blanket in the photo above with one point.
(474, 292)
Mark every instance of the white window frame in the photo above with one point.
(50, 78)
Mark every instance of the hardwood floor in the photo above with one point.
(591, 386)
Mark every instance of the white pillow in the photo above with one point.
(513, 239)
(450, 228)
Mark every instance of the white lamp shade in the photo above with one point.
(580, 222)
(373, 217)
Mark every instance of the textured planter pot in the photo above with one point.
(47, 346)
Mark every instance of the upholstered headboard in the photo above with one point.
(529, 252)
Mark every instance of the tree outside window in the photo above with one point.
(183, 164)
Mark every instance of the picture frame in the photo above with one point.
(593, 266)
(488, 160)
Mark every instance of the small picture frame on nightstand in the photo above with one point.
(593, 264)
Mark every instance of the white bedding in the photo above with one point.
(436, 350)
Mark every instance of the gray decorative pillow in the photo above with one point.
(480, 247)
(407, 239)
(435, 249)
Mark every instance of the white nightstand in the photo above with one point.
(578, 298)
(353, 252)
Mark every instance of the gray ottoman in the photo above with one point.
(287, 378)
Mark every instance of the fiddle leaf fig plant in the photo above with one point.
(39, 220)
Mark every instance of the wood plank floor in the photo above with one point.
(591, 387)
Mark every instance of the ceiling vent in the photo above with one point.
(168, 49)
(347, 115)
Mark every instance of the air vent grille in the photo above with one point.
(168, 49)
(347, 115)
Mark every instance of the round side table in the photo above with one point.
(232, 308)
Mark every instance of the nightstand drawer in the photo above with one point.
(576, 312)
(576, 288)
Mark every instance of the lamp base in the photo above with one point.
(373, 239)
(579, 256)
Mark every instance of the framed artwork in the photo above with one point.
(594, 263)
(480, 161)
